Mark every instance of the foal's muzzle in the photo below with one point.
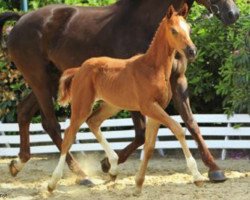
(190, 52)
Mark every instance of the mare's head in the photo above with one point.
(225, 10)
(178, 32)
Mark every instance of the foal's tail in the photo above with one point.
(65, 86)
(7, 16)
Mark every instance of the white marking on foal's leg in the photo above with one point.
(112, 156)
(191, 163)
(57, 174)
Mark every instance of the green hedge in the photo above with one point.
(219, 79)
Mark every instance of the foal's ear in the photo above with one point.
(184, 10)
(170, 12)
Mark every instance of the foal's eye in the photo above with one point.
(174, 32)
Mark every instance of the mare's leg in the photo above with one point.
(181, 100)
(81, 105)
(94, 122)
(40, 82)
(152, 127)
(139, 124)
(25, 111)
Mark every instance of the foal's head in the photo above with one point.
(177, 32)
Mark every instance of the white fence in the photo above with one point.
(218, 130)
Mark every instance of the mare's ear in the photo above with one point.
(170, 11)
(183, 11)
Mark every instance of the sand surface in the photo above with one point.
(167, 179)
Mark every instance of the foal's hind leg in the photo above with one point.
(94, 122)
(54, 132)
(81, 106)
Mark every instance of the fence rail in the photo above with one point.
(217, 129)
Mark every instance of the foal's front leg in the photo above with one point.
(181, 100)
(155, 112)
(152, 128)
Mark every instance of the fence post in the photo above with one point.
(224, 151)
(24, 5)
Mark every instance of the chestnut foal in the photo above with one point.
(143, 78)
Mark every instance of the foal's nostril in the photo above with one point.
(191, 52)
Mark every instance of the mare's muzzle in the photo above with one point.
(190, 52)
(232, 16)
(226, 11)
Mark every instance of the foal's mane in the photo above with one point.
(158, 29)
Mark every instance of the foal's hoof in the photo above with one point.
(50, 189)
(111, 180)
(199, 183)
(105, 165)
(86, 182)
(137, 192)
(13, 170)
(112, 177)
(217, 176)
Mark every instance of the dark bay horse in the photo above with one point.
(145, 78)
(60, 37)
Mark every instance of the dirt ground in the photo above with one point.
(167, 179)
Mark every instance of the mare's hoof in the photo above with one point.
(105, 165)
(217, 176)
(13, 170)
(199, 183)
(86, 182)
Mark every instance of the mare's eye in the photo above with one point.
(174, 32)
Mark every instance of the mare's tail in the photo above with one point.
(7, 16)
(64, 95)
